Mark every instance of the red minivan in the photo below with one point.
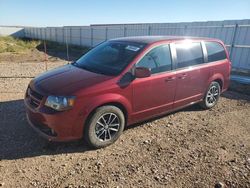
(124, 81)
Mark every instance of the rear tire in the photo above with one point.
(212, 96)
(104, 127)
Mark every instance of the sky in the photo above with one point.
(43, 13)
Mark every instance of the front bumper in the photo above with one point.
(59, 127)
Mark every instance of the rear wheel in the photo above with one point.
(104, 127)
(212, 96)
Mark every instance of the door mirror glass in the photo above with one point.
(142, 72)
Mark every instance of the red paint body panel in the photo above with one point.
(141, 99)
(153, 95)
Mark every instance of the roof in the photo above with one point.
(153, 39)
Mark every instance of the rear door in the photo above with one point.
(154, 94)
(191, 75)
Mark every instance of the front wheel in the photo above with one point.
(212, 96)
(104, 127)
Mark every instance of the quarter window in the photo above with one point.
(188, 54)
(157, 60)
(215, 51)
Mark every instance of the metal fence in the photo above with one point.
(234, 33)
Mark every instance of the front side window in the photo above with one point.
(215, 51)
(157, 60)
(189, 54)
(110, 58)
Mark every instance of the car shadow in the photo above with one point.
(18, 140)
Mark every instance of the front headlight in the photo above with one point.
(60, 103)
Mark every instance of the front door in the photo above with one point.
(155, 94)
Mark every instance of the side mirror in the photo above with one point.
(142, 72)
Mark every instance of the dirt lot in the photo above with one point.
(189, 148)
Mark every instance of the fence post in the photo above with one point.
(45, 54)
(67, 47)
(45, 33)
(125, 31)
(56, 35)
(91, 35)
(63, 36)
(185, 29)
(149, 30)
(233, 40)
(106, 33)
(80, 36)
(70, 35)
(50, 34)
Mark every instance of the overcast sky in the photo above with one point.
(86, 12)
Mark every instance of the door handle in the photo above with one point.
(183, 76)
(169, 79)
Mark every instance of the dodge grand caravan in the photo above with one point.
(124, 81)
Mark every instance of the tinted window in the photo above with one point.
(109, 58)
(157, 60)
(215, 51)
(188, 54)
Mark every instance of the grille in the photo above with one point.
(35, 94)
(34, 97)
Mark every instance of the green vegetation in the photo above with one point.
(10, 44)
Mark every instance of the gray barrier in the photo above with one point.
(234, 33)
(12, 31)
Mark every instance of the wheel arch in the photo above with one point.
(220, 82)
(217, 78)
(116, 104)
(112, 99)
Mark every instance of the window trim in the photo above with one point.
(204, 50)
(152, 48)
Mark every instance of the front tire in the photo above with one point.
(104, 127)
(212, 96)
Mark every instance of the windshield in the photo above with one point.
(109, 58)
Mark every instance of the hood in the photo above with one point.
(66, 80)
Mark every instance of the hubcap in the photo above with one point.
(212, 95)
(107, 126)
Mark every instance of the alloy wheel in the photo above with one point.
(107, 126)
(212, 95)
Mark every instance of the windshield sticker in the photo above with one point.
(132, 48)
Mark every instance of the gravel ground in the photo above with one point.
(189, 148)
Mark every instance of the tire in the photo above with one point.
(104, 127)
(212, 96)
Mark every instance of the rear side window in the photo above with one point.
(215, 51)
(189, 54)
(157, 60)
